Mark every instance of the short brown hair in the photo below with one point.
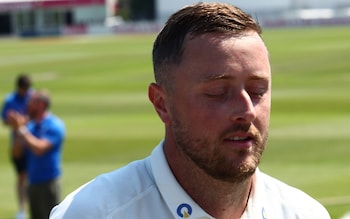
(192, 21)
(42, 96)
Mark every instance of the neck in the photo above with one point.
(220, 199)
(223, 200)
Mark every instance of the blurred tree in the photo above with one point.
(136, 10)
(123, 9)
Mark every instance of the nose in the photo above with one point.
(243, 107)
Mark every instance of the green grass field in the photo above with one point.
(99, 87)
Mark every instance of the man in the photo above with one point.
(212, 92)
(17, 101)
(42, 139)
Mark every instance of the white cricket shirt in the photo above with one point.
(147, 189)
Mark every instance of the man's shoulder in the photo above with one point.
(292, 199)
(122, 183)
(54, 122)
(110, 193)
(9, 97)
(53, 118)
(282, 190)
(8, 104)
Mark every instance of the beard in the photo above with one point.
(210, 156)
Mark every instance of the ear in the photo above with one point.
(157, 96)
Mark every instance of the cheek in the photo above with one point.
(207, 117)
(262, 120)
(193, 112)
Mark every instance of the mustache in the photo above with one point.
(248, 128)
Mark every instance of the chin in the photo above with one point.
(236, 173)
(236, 177)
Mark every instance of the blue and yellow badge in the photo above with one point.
(263, 213)
(184, 210)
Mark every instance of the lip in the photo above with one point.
(240, 141)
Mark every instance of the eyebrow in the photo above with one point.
(225, 76)
(258, 77)
(217, 77)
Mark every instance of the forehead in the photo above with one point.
(34, 97)
(220, 45)
(212, 55)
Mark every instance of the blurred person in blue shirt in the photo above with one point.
(41, 138)
(17, 101)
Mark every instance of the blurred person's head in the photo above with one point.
(39, 104)
(23, 84)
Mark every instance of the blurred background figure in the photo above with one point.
(41, 138)
(17, 101)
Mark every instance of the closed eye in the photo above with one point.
(215, 92)
(257, 92)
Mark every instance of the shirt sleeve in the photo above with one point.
(5, 108)
(54, 134)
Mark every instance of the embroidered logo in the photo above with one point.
(184, 210)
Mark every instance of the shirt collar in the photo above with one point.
(256, 207)
(178, 201)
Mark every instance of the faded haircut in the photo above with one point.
(192, 21)
(42, 96)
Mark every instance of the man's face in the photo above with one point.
(34, 106)
(220, 104)
(23, 90)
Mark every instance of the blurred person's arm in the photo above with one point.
(17, 147)
(4, 111)
(36, 145)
